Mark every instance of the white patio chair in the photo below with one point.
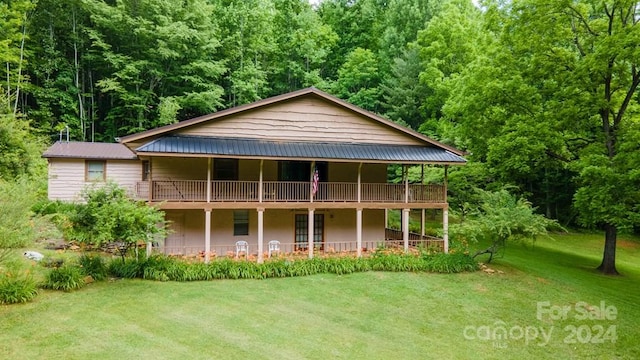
(274, 246)
(242, 246)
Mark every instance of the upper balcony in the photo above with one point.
(191, 191)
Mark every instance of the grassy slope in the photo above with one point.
(368, 315)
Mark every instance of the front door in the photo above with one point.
(302, 231)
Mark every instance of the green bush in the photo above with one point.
(94, 266)
(65, 278)
(128, 268)
(449, 263)
(164, 268)
(17, 289)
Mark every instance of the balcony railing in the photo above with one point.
(287, 191)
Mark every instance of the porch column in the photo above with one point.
(150, 181)
(360, 182)
(445, 229)
(359, 232)
(405, 228)
(260, 235)
(208, 179)
(310, 233)
(260, 181)
(422, 227)
(405, 174)
(207, 235)
(313, 170)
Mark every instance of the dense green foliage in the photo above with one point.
(110, 215)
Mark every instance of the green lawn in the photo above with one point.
(360, 316)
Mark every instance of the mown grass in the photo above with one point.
(371, 315)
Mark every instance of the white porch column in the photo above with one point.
(359, 232)
(405, 228)
(313, 170)
(445, 229)
(360, 182)
(260, 181)
(405, 172)
(207, 235)
(260, 235)
(208, 179)
(310, 233)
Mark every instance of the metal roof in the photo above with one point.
(242, 147)
(89, 150)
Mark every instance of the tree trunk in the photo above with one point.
(608, 265)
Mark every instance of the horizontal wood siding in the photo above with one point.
(67, 177)
(303, 120)
(125, 173)
(179, 169)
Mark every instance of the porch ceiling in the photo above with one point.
(255, 148)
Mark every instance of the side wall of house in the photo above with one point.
(187, 235)
(66, 178)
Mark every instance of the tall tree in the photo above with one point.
(13, 36)
(303, 43)
(564, 86)
(247, 45)
(154, 52)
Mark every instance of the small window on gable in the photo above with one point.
(240, 222)
(146, 170)
(95, 170)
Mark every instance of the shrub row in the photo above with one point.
(163, 268)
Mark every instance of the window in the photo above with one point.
(225, 169)
(146, 170)
(240, 222)
(95, 170)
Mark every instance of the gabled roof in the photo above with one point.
(308, 92)
(89, 150)
(253, 148)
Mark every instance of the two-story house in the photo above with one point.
(304, 168)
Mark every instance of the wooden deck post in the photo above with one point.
(207, 235)
(359, 232)
(208, 179)
(310, 233)
(260, 235)
(405, 228)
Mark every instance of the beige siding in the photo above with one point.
(303, 120)
(348, 172)
(67, 177)
(179, 169)
(125, 173)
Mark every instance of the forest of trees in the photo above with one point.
(542, 94)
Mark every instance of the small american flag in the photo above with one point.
(314, 186)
